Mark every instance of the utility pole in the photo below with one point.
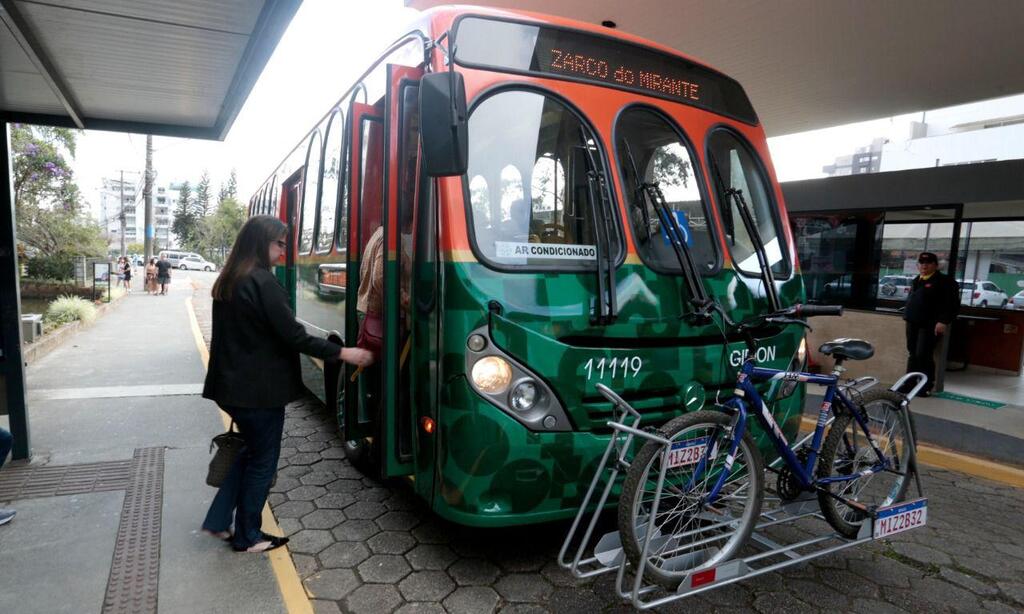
(147, 192)
(121, 217)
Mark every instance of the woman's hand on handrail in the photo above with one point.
(356, 356)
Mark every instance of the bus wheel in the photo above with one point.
(359, 452)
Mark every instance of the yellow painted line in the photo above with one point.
(957, 461)
(295, 596)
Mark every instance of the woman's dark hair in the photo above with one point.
(152, 260)
(251, 250)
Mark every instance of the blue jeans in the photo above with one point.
(6, 442)
(245, 489)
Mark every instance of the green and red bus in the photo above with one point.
(545, 261)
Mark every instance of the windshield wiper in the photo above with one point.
(649, 226)
(736, 196)
(605, 309)
(650, 192)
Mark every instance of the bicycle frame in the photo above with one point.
(746, 395)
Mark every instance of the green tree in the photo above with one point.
(202, 202)
(221, 228)
(229, 190)
(51, 218)
(185, 222)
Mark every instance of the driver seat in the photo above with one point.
(854, 349)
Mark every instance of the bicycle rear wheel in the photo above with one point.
(688, 532)
(847, 451)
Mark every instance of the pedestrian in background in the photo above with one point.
(6, 442)
(119, 270)
(151, 277)
(127, 270)
(163, 273)
(931, 306)
(253, 373)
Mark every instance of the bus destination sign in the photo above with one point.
(581, 56)
(628, 76)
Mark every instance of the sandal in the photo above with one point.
(270, 542)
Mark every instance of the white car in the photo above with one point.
(977, 293)
(196, 263)
(895, 287)
(1017, 302)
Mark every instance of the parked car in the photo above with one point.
(196, 263)
(175, 256)
(895, 287)
(1018, 300)
(979, 293)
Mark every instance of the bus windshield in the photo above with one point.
(651, 153)
(527, 182)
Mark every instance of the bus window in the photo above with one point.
(330, 182)
(310, 193)
(272, 197)
(652, 153)
(733, 165)
(526, 160)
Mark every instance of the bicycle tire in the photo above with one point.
(846, 520)
(637, 477)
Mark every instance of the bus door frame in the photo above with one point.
(291, 189)
(357, 424)
(399, 446)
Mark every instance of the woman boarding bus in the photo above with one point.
(608, 190)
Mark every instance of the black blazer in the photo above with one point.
(254, 352)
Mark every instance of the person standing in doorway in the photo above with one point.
(163, 273)
(254, 372)
(932, 305)
(6, 442)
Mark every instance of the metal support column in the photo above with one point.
(12, 367)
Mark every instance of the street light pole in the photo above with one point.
(122, 214)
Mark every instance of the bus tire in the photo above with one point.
(359, 452)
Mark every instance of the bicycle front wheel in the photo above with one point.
(848, 451)
(689, 531)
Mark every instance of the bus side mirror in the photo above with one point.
(443, 124)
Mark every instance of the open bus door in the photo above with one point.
(384, 163)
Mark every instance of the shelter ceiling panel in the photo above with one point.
(177, 72)
(235, 16)
(29, 92)
(809, 64)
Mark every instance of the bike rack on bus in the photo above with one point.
(771, 555)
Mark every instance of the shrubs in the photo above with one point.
(68, 309)
(60, 267)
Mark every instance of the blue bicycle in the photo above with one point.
(696, 487)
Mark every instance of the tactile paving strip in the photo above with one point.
(58, 480)
(135, 569)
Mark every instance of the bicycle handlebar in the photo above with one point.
(807, 311)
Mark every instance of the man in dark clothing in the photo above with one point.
(931, 306)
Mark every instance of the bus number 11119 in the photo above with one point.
(627, 366)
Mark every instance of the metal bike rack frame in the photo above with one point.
(608, 555)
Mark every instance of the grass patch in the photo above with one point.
(66, 309)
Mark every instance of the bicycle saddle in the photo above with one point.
(854, 349)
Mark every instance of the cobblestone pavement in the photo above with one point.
(365, 546)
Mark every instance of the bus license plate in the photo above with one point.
(902, 517)
(688, 452)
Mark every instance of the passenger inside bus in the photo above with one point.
(370, 298)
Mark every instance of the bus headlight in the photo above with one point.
(524, 396)
(492, 374)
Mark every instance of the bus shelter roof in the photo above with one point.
(808, 64)
(181, 68)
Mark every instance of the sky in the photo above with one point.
(327, 45)
(270, 123)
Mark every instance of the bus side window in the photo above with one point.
(310, 193)
(408, 152)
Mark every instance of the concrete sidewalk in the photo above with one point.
(110, 506)
(996, 434)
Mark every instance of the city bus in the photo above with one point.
(595, 191)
